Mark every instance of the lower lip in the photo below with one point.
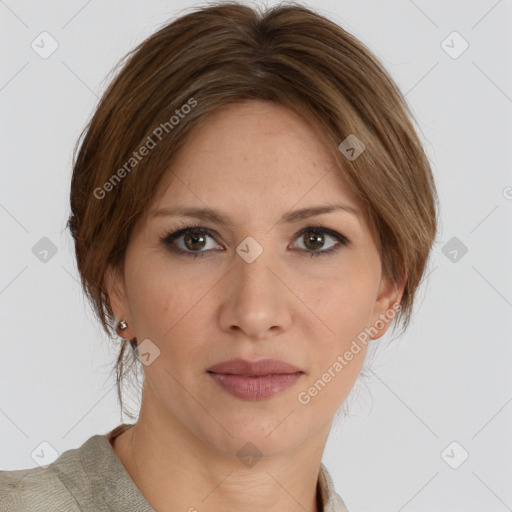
(255, 388)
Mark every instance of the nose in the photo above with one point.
(255, 301)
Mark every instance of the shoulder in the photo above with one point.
(76, 479)
(34, 490)
(331, 500)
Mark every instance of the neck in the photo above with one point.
(174, 470)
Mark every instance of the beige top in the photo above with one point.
(92, 478)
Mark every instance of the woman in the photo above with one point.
(251, 207)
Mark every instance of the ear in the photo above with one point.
(386, 306)
(116, 290)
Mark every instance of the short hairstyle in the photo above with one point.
(225, 53)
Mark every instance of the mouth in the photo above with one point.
(263, 367)
(255, 387)
(256, 380)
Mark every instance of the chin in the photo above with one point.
(266, 434)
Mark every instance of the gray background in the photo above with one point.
(447, 379)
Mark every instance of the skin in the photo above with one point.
(254, 162)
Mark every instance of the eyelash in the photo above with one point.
(184, 229)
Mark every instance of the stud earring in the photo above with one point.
(121, 326)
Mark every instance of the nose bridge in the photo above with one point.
(251, 267)
(256, 300)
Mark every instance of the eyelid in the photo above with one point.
(183, 228)
(320, 227)
(169, 238)
(341, 239)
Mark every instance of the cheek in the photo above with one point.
(350, 307)
(339, 352)
(168, 307)
(344, 300)
(155, 299)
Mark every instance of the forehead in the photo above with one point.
(258, 134)
(258, 152)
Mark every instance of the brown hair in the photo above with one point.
(225, 53)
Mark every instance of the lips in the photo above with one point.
(254, 380)
(254, 368)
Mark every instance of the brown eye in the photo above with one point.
(194, 241)
(191, 241)
(314, 239)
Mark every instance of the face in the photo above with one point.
(264, 284)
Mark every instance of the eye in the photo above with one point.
(192, 241)
(314, 239)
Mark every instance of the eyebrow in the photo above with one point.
(221, 219)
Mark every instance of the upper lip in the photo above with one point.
(261, 367)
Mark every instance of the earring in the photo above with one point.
(121, 326)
